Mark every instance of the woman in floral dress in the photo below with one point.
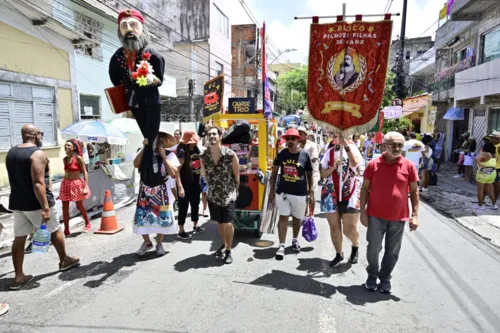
(154, 213)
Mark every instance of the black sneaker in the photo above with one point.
(197, 230)
(371, 283)
(227, 257)
(296, 247)
(29, 248)
(218, 253)
(183, 235)
(385, 286)
(337, 261)
(353, 259)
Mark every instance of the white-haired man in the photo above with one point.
(386, 182)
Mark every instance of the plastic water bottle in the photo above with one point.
(41, 240)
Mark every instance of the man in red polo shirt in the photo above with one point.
(387, 179)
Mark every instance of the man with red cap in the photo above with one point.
(294, 188)
(140, 69)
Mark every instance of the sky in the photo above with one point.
(287, 33)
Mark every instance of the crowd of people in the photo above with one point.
(359, 175)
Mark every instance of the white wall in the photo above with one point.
(220, 46)
(467, 87)
(92, 74)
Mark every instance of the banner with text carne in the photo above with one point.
(241, 105)
(347, 72)
(213, 96)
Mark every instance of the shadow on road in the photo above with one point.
(358, 295)
(211, 234)
(270, 252)
(315, 266)
(197, 262)
(355, 294)
(5, 282)
(113, 269)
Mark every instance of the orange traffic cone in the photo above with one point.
(109, 225)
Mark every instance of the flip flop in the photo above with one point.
(4, 308)
(17, 285)
(67, 264)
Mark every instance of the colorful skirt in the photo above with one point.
(154, 213)
(72, 190)
(330, 199)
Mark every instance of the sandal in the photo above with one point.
(4, 308)
(16, 285)
(69, 263)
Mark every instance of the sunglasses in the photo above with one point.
(291, 138)
(395, 145)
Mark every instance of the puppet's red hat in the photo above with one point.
(130, 13)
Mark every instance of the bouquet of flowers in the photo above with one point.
(144, 76)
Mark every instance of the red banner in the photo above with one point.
(347, 72)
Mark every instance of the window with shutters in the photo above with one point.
(90, 107)
(25, 104)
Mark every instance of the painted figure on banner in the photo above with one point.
(140, 68)
(347, 71)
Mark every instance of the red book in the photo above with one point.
(117, 99)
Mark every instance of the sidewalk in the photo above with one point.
(455, 198)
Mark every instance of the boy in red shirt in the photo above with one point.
(387, 179)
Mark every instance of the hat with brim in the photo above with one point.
(303, 129)
(170, 138)
(190, 137)
(292, 132)
(494, 134)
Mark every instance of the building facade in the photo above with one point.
(467, 70)
(37, 80)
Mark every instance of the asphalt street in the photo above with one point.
(446, 281)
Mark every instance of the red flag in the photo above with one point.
(347, 72)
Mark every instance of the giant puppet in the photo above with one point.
(140, 69)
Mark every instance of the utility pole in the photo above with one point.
(191, 100)
(401, 59)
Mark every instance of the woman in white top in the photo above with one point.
(470, 158)
(343, 214)
(426, 163)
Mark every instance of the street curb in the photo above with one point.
(467, 222)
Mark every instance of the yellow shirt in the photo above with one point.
(361, 141)
(419, 137)
(498, 156)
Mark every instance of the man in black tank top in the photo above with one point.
(32, 201)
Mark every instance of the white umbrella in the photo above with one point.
(127, 125)
(95, 131)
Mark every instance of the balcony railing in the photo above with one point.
(452, 70)
(443, 85)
